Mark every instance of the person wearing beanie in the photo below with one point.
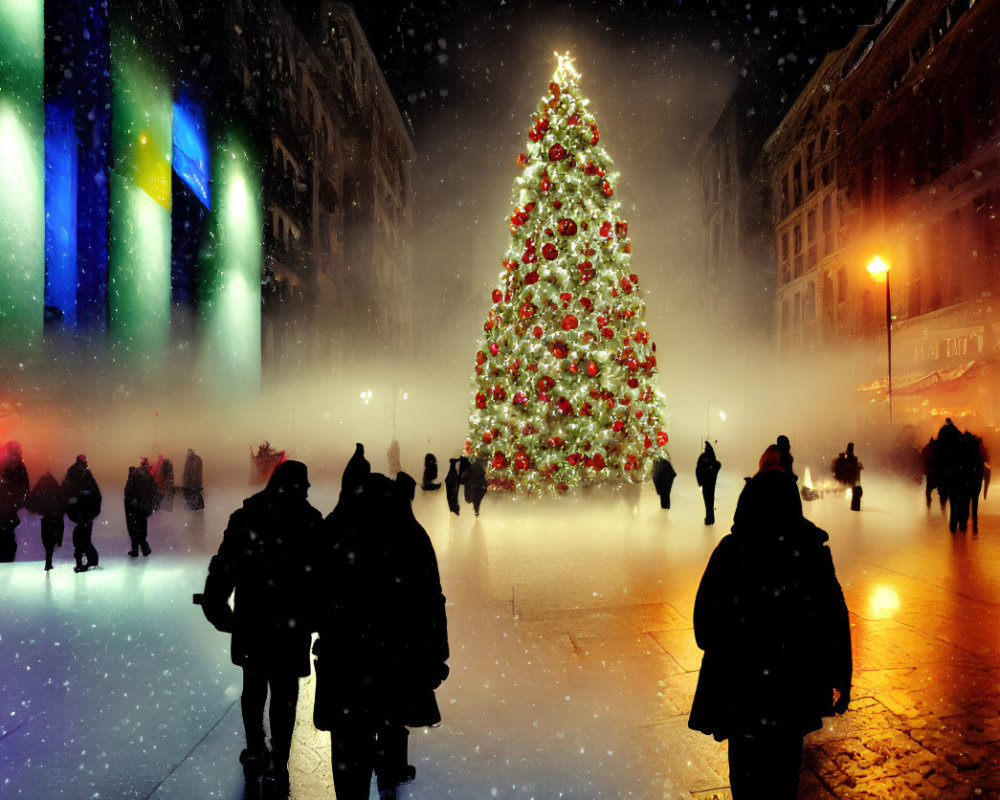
(266, 562)
(771, 619)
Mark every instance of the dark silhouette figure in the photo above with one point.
(383, 642)
(847, 470)
(930, 466)
(430, 474)
(83, 505)
(472, 476)
(165, 486)
(140, 502)
(785, 450)
(14, 488)
(191, 480)
(451, 486)
(945, 449)
(46, 500)
(663, 480)
(706, 471)
(771, 618)
(266, 561)
(964, 473)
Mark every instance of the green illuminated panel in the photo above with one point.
(231, 296)
(22, 173)
(139, 246)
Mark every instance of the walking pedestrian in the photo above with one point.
(14, 488)
(663, 480)
(771, 618)
(46, 500)
(266, 562)
(847, 470)
(83, 505)
(429, 482)
(140, 502)
(192, 481)
(706, 471)
(472, 475)
(451, 483)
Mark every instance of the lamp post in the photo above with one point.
(877, 268)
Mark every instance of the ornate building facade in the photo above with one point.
(893, 150)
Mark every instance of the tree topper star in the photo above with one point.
(566, 65)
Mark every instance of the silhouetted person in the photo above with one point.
(191, 480)
(165, 486)
(785, 450)
(472, 476)
(706, 471)
(771, 618)
(451, 486)
(14, 488)
(83, 504)
(930, 474)
(266, 562)
(140, 502)
(847, 470)
(427, 483)
(964, 475)
(46, 500)
(382, 641)
(663, 480)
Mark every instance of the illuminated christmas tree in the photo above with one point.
(566, 390)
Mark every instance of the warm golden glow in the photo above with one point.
(878, 267)
(883, 602)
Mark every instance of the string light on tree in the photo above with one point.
(565, 390)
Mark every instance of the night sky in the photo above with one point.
(437, 54)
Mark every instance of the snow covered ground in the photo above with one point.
(572, 659)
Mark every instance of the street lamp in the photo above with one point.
(878, 268)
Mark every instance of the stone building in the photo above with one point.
(893, 149)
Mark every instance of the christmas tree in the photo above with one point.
(565, 391)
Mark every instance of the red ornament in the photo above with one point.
(606, 230)
(499, 393)
(634, 278)
(558, 349)
(573, 119)
(531, 277)
(648, 443)
(631, 463)
(565, 407)
(480, 400)
(567, 227)
(621, 229)
(499, 460)
(590, 169)
(497, 295)
(618, 426)
(626, 285)
(556, 441)
(550, 251)
(537, 332)
(662, 438)
(606, 189)
(521, 461)
(487, 437)
(557, 152)
(565, 297)
(586, 271)
(545, 184)
(556, 204)
(527, 311)
(607, 333)
(591, 369)
(520, 399)
(574, 458)
(597, 462)
(494, 348)
(480, 357)
(569, 322)
(573, 368)
(586, 410)
(554, 88)
(522, 160)
(545, 383)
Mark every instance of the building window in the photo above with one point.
(797, 243)
(829, 233)
(797, 184)
(786, 274)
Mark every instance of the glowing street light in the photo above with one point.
(878, 268)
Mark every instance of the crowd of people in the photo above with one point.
(957, 465)
(78, 498)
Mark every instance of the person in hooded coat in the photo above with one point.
(14, 489)
(771, 618)
(46, 500)
(266, 562)
(140, 502)
(429, 481)
(382, 643)
(706, 471)
(472, 475)
(663, 480)
(83, 505)
(451, 484)
(191, 479)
